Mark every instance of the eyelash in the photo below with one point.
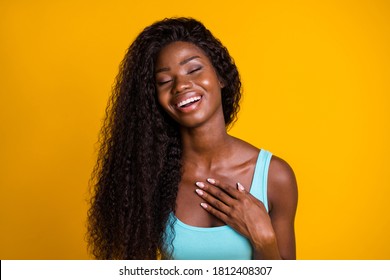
(194, 70)
(163, 83)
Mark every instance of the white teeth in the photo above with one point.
(189, 100)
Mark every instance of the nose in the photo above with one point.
(182, 83)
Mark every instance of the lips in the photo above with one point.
(187, 101)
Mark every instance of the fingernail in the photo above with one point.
(199, 184)
(204, 205)
(198, 191)
(212, 181)
(240, 187)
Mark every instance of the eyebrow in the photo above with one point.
(180, 63)
(188, 59)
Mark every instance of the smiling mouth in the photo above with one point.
(188, 102)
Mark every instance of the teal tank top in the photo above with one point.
(217, 243)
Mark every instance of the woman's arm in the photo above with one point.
(282, 203)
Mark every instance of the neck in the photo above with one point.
(205, 145)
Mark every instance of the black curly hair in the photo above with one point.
(136, 178)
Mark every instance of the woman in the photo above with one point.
(170, 181)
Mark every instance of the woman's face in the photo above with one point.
(188, 86)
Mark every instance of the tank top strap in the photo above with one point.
(260, 177)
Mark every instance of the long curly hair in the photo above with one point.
(136, 177)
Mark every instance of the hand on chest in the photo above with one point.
(188, 209)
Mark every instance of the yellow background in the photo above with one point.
(316, 93)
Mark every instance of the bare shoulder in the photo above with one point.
(280, 172)
(282, 185)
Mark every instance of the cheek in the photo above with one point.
(210, 82)
(163, 100)
(213, 88)
(206, 82)
(160, 97)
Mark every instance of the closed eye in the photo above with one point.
(160, 83)
(194, 70)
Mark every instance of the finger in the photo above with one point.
(213, 201)
(226, 188)
(240, 187)
(222, 216)
(217, 192)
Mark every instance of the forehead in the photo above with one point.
(178, 50)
